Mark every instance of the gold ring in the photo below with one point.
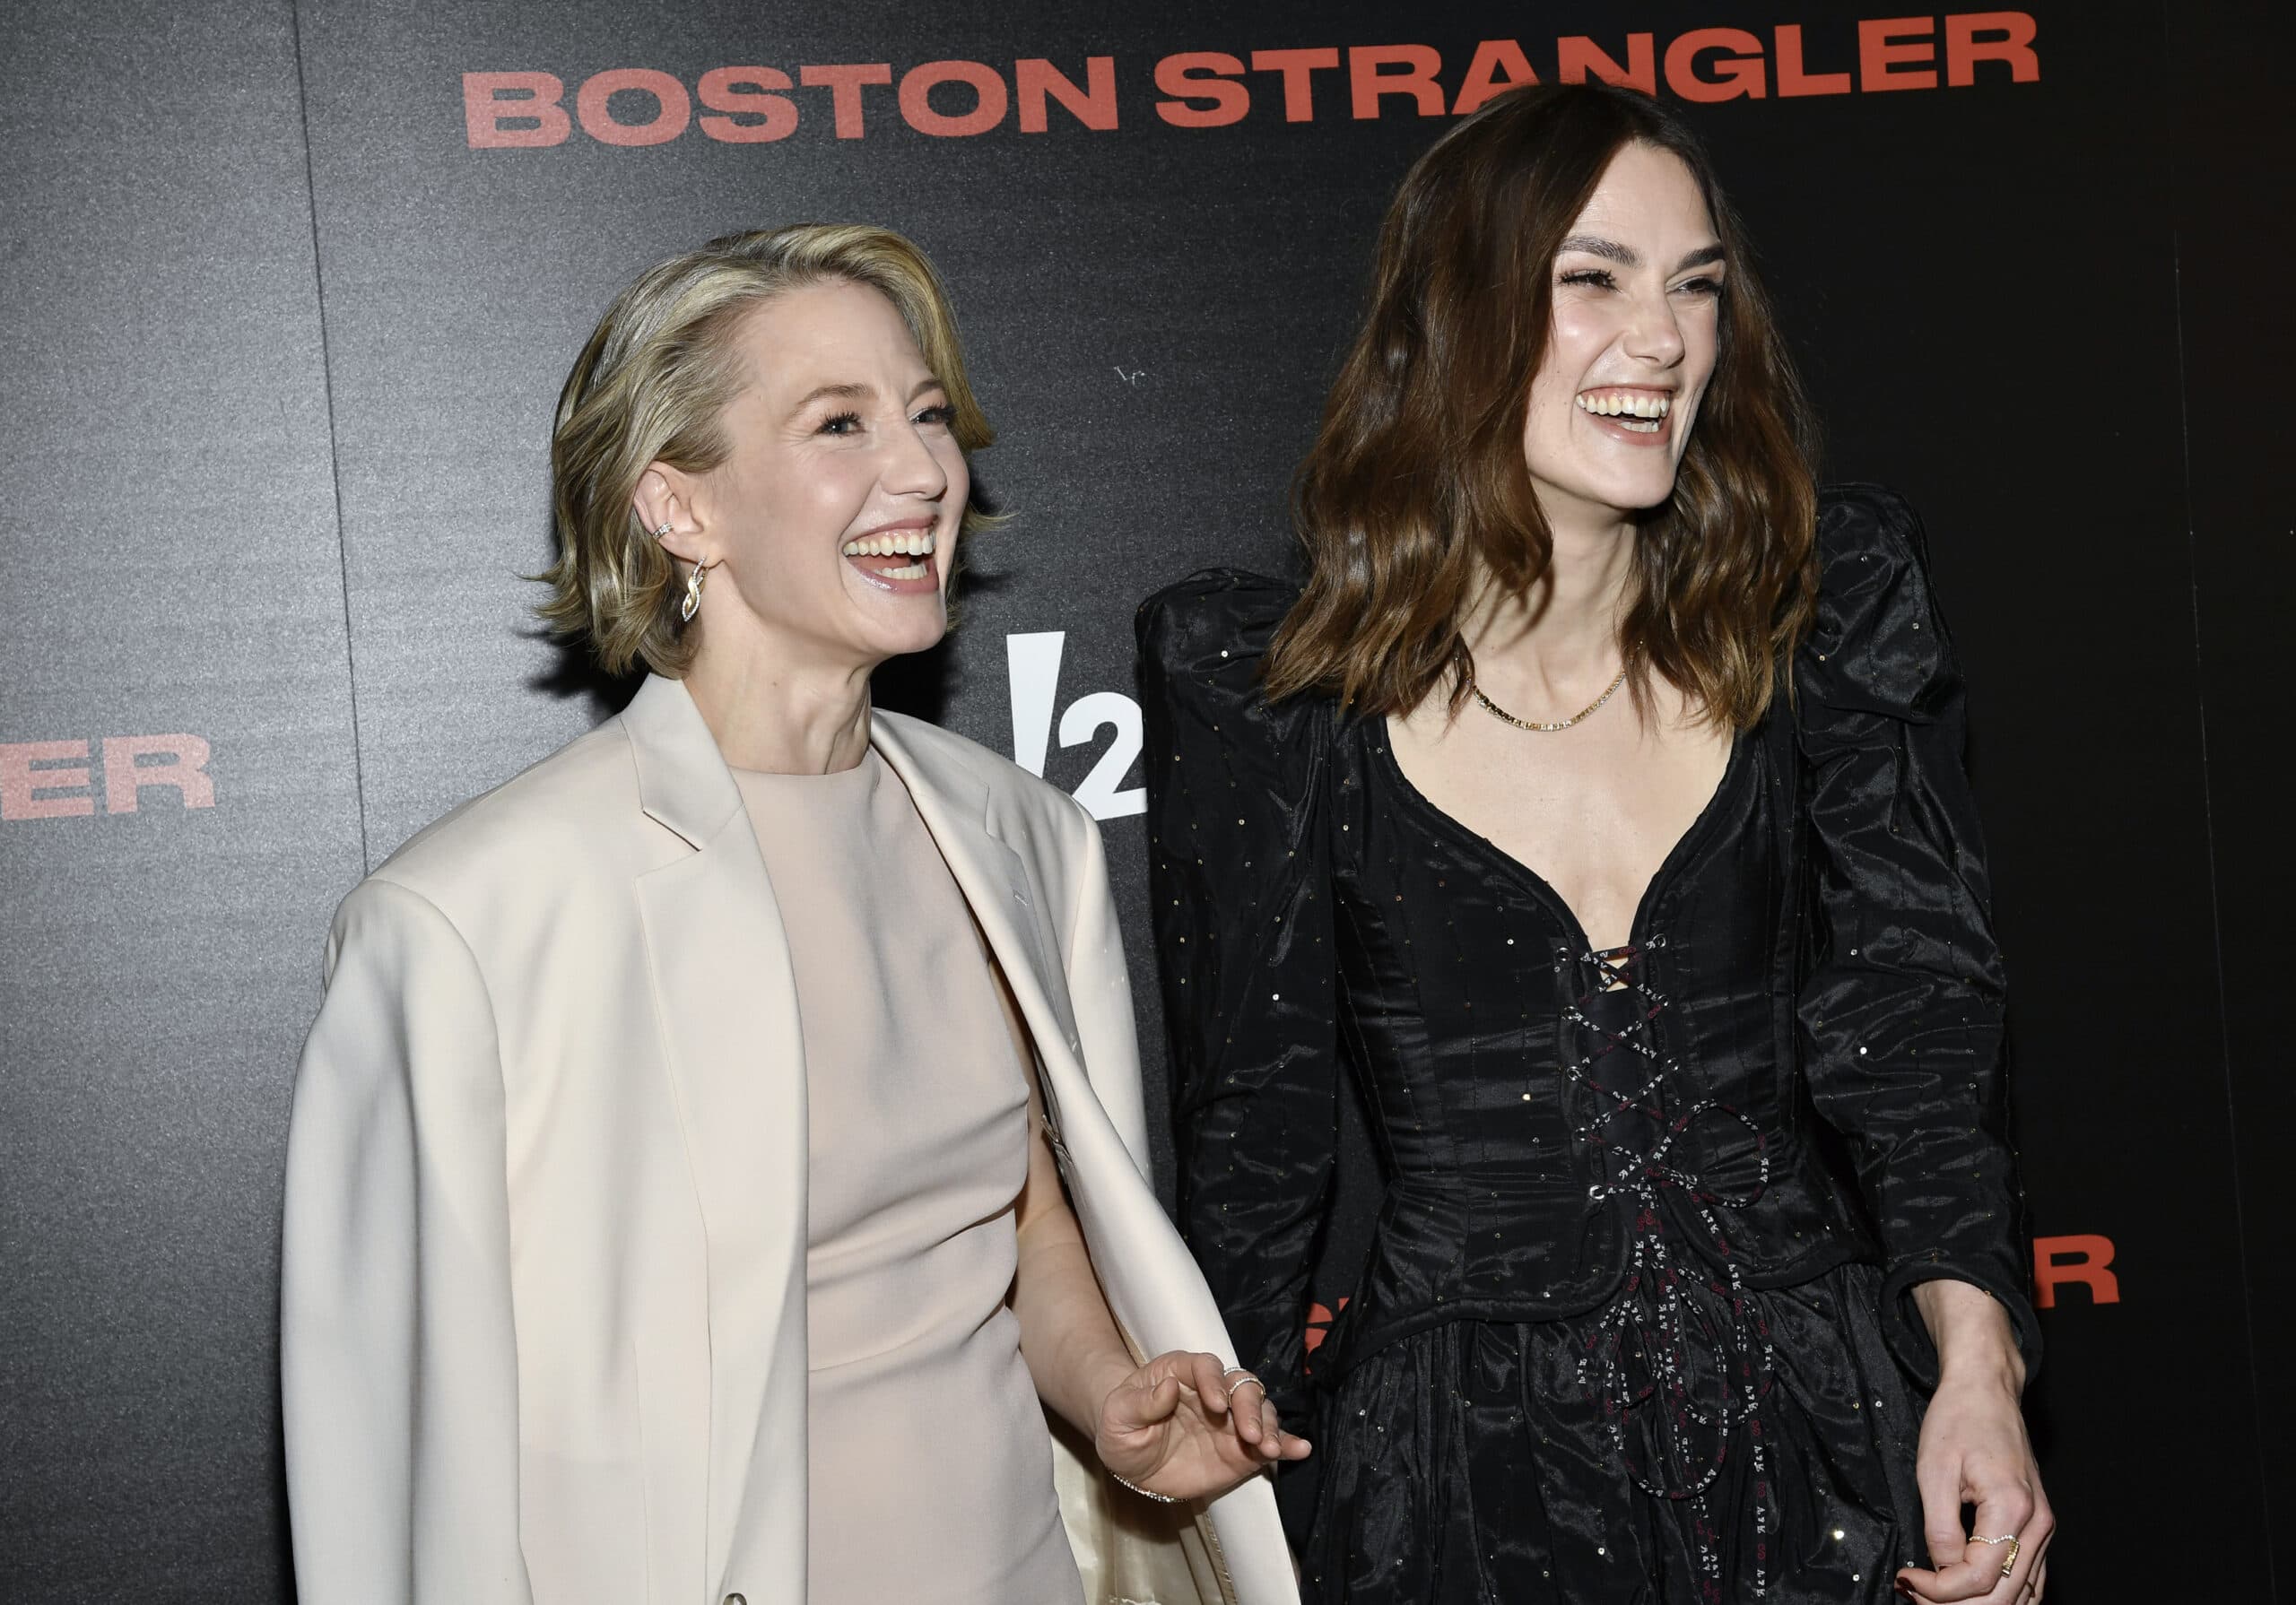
(2009, 1539)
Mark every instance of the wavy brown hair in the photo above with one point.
(1416, 495)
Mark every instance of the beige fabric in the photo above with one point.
(543, 1289)
(920, 1415)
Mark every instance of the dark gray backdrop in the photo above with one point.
(280, 346)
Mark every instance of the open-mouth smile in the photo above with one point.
(902, 558)
(1630, 413)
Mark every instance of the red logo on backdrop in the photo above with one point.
(2083, 1260)
(48, 780)
(1319, 1319)
(1210, 89)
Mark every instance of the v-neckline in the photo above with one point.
(1687, 843)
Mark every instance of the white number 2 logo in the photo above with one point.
(1033, 663)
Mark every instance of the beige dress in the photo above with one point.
(930, 1473)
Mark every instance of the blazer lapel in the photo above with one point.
(1154, 1289)
(954, 803)
(728, 1005)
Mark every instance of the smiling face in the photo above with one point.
(1637, 286)
(833, 521)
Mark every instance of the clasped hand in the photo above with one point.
(1180, 1427)
(1975, 1452)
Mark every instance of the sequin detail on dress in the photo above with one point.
(1679, 1361)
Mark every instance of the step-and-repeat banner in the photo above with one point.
(289, 291)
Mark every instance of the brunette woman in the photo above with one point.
(1599, 804)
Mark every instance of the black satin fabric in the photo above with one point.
(1706, 1169)
(1463, 1463)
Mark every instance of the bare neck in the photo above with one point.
(775, 712)
(1563, 635)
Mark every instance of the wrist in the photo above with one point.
(1976, 1342)
(1108, 1371)
(2002, 1370)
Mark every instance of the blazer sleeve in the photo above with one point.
(1242, 916)
(398, 1368)
(1901, 1007)
(1100, 988)
(1152, 1286)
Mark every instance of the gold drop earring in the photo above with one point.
(692, 603)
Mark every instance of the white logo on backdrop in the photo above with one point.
(1033, 663)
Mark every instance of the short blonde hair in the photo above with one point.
(652, 385)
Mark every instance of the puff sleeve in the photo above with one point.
(1901, 1005)
(1237, 878)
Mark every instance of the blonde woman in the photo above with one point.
(675, 1200)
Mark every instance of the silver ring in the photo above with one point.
(1241, 1376)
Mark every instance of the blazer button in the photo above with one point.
(735, 1599)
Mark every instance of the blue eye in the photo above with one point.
(841, 423)
(941, 414)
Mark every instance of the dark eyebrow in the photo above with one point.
(1627, 256)
(1594, 245)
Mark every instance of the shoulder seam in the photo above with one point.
(383, 877)
(470, 957)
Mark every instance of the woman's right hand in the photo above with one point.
(1975, 1452)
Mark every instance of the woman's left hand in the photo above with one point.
(1974, 1451)
(1180, 1427)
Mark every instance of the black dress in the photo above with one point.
(1635, 1323)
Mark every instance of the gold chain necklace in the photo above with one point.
(1497, 712)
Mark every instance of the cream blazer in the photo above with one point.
(542, 1302)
